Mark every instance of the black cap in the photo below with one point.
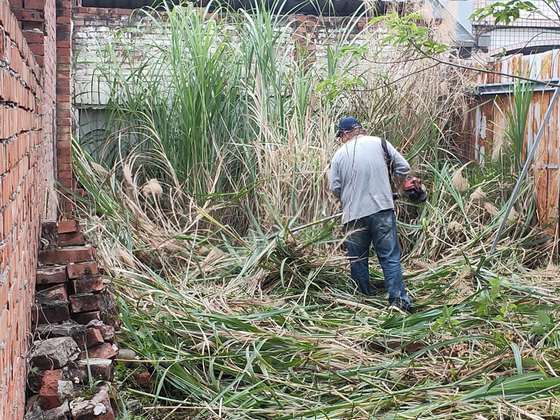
(347, 124)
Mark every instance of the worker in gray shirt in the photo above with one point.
(359, 177)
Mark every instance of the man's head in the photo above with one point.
(348, 128)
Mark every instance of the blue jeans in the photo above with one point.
(379, 229)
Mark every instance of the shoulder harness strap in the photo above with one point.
(388, 157)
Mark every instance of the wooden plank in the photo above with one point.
(487, 131)
(499, 125)
(487, 124)
(554, 157)
(541, 157)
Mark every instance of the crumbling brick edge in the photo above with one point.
(71, 361)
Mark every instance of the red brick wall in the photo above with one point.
(37, 19)
(26, 165)
(48, 103)
(64, 97)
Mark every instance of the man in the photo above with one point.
(359, 177)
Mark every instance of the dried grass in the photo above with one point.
(240, 316)
(459, 181)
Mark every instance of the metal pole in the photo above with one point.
(530, 156)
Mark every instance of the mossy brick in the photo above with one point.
(99, 407)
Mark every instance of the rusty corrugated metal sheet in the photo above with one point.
(487, 122)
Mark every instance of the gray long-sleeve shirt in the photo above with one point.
(359, 176)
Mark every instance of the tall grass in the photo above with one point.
(217, 148)
(239, 116)
(517, 123)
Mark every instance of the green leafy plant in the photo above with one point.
(504, 12)
(487, 303)
(446, 321)
(408, 31)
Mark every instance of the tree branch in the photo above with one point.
(479, 70)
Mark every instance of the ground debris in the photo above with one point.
(54, 353)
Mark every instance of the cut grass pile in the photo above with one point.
(268, 326)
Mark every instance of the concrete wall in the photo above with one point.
(26, 178)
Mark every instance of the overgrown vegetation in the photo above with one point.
(217, 149)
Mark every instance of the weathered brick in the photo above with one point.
(26, 165)
(53, 293)
(91, 338)
(34, 411)
(18, 4)
(98, 408)
(51, 275)
(98, 368)
(103, 351)
(79, 270)
(91, 284)
(71, 239)
(29, 15)
(85, 302)
(86, 317)
(66, 329)
(107, 331)
(59, 413)
(34, 4)
(53, 312)
(54, 353)
(68, 226)
(66, 255)
(34, 37)
(48, 393)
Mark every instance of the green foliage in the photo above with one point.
(545, 323)
(546, 327)
(504, 12)
(238, 118)
(516, 126)
(488, 301)
(407, 31)
(336, 83)
(446, 321)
